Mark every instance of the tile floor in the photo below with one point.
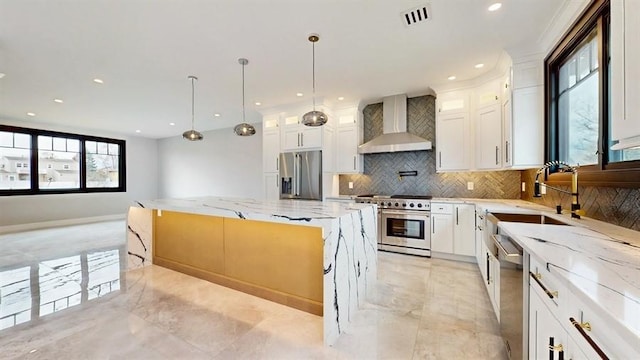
(63, 295)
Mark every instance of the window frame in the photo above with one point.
(604, 173)
(33, 163)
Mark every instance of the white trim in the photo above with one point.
(56, 223)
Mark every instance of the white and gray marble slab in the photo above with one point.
(599, 269)
(349, 233)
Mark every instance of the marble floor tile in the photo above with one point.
(76, 301)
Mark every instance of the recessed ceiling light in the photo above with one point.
(216, 115)
(172, 124)
(98, 81)
(59, 101)
(495, 6)
(341, 98)
(138, 131)
(299, 94)
(478, 66)
(2, 75)
(31, 114)
(258, 103)
(451, 77)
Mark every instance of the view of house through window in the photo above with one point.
(58, 163)
(578, 109)
(15, 157)
(34, 161)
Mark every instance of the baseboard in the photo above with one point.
(57, 223)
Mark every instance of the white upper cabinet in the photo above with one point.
(349, 136)
(452, 131)
(270, 143)
(296, 136)
(625, 73)
(506, 113)
(488, 126)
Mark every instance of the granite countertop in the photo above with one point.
(599, 263)
(303, 212)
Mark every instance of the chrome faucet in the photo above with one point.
(561, 167)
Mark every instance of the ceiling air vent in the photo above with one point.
(415, 16)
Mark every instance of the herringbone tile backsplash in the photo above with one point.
(619, 206)
(381, 170)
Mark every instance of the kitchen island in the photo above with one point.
(318, 257)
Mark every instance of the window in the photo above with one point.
(65, 162)
(577, 92)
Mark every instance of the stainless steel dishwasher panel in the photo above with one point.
(512, 301)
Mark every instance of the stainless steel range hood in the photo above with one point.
(394, 136)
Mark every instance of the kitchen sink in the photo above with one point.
(527, 218)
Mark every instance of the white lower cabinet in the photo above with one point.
(547, 338)
(464, 229)
(271, 186)
(442, 233)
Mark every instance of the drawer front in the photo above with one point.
(591, 333)
(548, 284)
(439, 208)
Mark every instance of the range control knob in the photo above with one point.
(404, 205)
(388, 204)
(419, 205)
(397, 205)
(411, 205)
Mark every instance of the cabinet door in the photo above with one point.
(507, 138)
(271, 151)
(489, 137)
(464, 229)
(290, 139)
(310, 137)
(544, 331)
(347, 149)
(271, 186)
(479, 237)
(452, 141)
(442, 233)
(625, 56)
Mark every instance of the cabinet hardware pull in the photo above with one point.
(298, 139)
(302, 139)
(456, 216)
(556, 347)
(440, 158)
(580, 327)
(497, 154)
(506, 152)
(354, 162)
(277, 163)
(537, 277)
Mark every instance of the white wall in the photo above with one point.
(142, 183)
(223, 164)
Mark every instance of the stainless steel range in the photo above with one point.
(404, 223)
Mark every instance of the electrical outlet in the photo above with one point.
(159, 212)
(524, 186)
(350, 184)
(543, 189)
(469, 185)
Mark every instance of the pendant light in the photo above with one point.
(243, 129)
(314, 118)
(192, 135)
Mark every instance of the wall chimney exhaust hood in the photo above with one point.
(394, 136)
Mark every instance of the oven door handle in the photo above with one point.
(405, 212)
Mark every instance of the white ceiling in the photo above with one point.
(145, 49)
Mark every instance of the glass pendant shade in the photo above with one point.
(193, 134)
(314, 117)
(243, 129)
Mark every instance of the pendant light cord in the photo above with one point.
(313, 71)
(243, 120)
(192, 103)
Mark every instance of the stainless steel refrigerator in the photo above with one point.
(301, 175)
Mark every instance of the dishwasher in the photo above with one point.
(513, 294)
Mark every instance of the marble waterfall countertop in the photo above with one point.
(598, 262)
(349, 234)
(301, 212)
